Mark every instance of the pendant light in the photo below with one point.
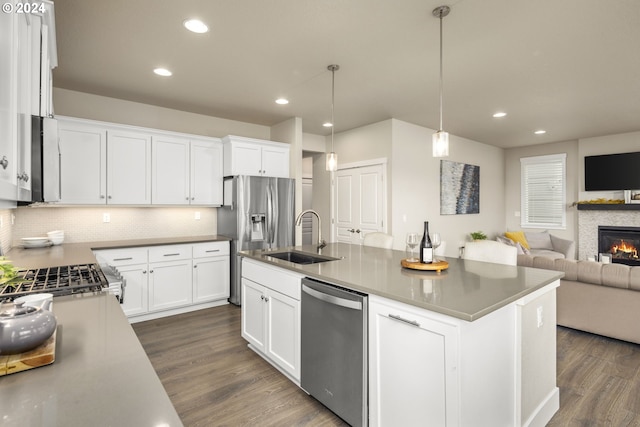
(332, 157)
(441, 138)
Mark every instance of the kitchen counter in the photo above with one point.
(101, 375)
(467, 290)
(81, 253)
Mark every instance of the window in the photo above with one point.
(543, 192)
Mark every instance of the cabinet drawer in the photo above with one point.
(275, 278)
(116, 257)
(169, 253)
(208, 249)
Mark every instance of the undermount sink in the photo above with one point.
(301, 257)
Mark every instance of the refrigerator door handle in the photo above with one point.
(270, 223)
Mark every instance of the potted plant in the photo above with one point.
(478, 235)
(9, 274)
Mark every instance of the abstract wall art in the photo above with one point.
(459, 188)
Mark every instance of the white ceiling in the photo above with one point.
(571, 67)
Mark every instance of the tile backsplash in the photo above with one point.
(85, 224)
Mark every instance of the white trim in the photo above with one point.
(371, 162)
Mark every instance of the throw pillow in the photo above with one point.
(541, 240)
(519, 237)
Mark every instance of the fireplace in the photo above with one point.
(621, 243)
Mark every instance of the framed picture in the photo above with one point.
(459, 188)
(635, 196)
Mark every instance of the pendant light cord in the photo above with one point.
(333, 92)
(440, 129)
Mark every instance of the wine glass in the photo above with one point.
(412, 242)
(435, 242)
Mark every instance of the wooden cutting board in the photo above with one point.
(434, 266)
(43, 355)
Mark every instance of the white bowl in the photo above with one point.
(56, 233)
(35, 242)
(56, 240)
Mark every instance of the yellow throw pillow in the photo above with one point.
(518, 236)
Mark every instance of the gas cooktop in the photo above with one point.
(62, 280)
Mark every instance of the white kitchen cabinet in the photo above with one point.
(211, 271)
(271, 314)
(206, 172)
(136, 297)
(170, 276)
(128, 167)
(83, 163)
(187, 171)
(248, 156)
(8, 104)
(413, 368)
(170, 170)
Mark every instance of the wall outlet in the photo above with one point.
(540, 317)
(106, 217)
(197, 215)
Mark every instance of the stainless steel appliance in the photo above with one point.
(45, 160)
(334, 349)
(258, 213)
(62, 280)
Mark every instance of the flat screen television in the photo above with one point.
(612, 172)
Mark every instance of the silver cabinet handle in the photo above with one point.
(123, 259)
(23, 177)
(108, 197)
(353, 230)
(355, 305)
(213, 250)
(193, 198)
(102, 196)
(195, 266)
(150, 271)
(186, 198)
(144, 271)
(266, 299)
(410, 322)
(4, 162)
(176, 254)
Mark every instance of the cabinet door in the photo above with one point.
(206, 173)
(170, 284)
(283, 332)
(83, 152)
(136, 295)
(128, 168)
(253, 314)
(210, 279)
(246, 159)
(275, 161)
(23, 125)
(7, 106)
(170, 171)
(412, 371)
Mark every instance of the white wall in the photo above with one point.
(512, 184)
(415, 183)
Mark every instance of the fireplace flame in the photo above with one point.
(624, 249)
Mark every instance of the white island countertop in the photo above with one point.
(467, 290)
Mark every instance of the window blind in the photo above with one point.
(543, 191)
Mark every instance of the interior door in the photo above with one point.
(359, 202)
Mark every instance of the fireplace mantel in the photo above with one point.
(608, 207)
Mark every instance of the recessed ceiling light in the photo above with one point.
(196, 26)
(163, 72)
(540, 132)
(282, 101)
(327, 125)
(499, 114)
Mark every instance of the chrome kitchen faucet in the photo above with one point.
(321, 243)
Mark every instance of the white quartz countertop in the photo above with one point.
(101, 375)
(467, 290)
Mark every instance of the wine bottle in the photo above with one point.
(426, 248)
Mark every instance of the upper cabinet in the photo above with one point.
(103, 163)
(28, 52)
(248, 156)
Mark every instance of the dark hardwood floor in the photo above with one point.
(213, 379)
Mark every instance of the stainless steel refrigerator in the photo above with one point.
(258, 213)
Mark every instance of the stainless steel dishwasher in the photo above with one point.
(334, 349)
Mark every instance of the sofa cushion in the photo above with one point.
(634, 279)
(616, 275)
(541, 240)
(521, 249)
(543, 262)
(569, 267)
(546, 253)
(525, 260)
(518, 236)
(590, 272)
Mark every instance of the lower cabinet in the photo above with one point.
(271, 315)
(412, 368)
(169, 279)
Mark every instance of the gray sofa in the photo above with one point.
(603, 299)
(542, 243)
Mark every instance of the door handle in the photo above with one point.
(353, 230)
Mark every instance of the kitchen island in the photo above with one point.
(472, 345)
(101, 375)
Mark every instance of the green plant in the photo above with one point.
(9, 274)
(478, 235)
